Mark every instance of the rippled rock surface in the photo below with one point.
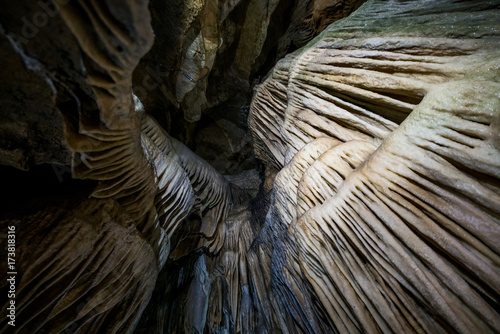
(385, 132)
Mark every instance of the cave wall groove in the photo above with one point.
(384, 129)
(377, 211)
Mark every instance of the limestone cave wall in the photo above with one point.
(250, 166)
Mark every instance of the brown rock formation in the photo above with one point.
(395, 215)
(82, 267)
(376, 210)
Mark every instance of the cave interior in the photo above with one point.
(250, 166)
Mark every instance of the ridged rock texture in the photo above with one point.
(385, 131)
(197, 79)
(376, 208)
(86, 276)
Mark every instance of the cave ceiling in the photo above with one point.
(250, 166)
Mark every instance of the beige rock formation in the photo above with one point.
(379, 206)
(396, 220)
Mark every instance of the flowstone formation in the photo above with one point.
(377, 209)
(385, 132)
(197, 79)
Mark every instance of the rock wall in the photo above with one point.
(385, 132)
(198, 77)
(378, 209)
